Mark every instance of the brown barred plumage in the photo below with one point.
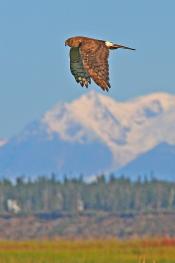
(89, 59)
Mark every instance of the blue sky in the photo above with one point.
(34, 62)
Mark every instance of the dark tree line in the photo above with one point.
(116, 195)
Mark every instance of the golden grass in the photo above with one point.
(88, 251)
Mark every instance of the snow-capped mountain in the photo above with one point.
(91, 134)
(128, 128)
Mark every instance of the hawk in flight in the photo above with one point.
(89, 59)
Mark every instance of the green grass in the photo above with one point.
(89, 251)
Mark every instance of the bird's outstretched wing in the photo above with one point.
(94, 55)
(77, 68)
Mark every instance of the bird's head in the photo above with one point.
(73, 42)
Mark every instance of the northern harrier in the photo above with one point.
(89, 59)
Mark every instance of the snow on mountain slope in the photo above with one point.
(34, 153)
(92, 134)
(127, 128)
(2, 142)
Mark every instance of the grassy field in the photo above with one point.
(89, 251)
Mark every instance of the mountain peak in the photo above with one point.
(95, 125)
(92, 98)
(120, 125)
(165, 99)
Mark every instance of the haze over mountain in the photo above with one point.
(158, 162)
(90, 135)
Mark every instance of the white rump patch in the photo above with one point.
(109, 44)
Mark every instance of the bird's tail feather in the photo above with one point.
(115, 46)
